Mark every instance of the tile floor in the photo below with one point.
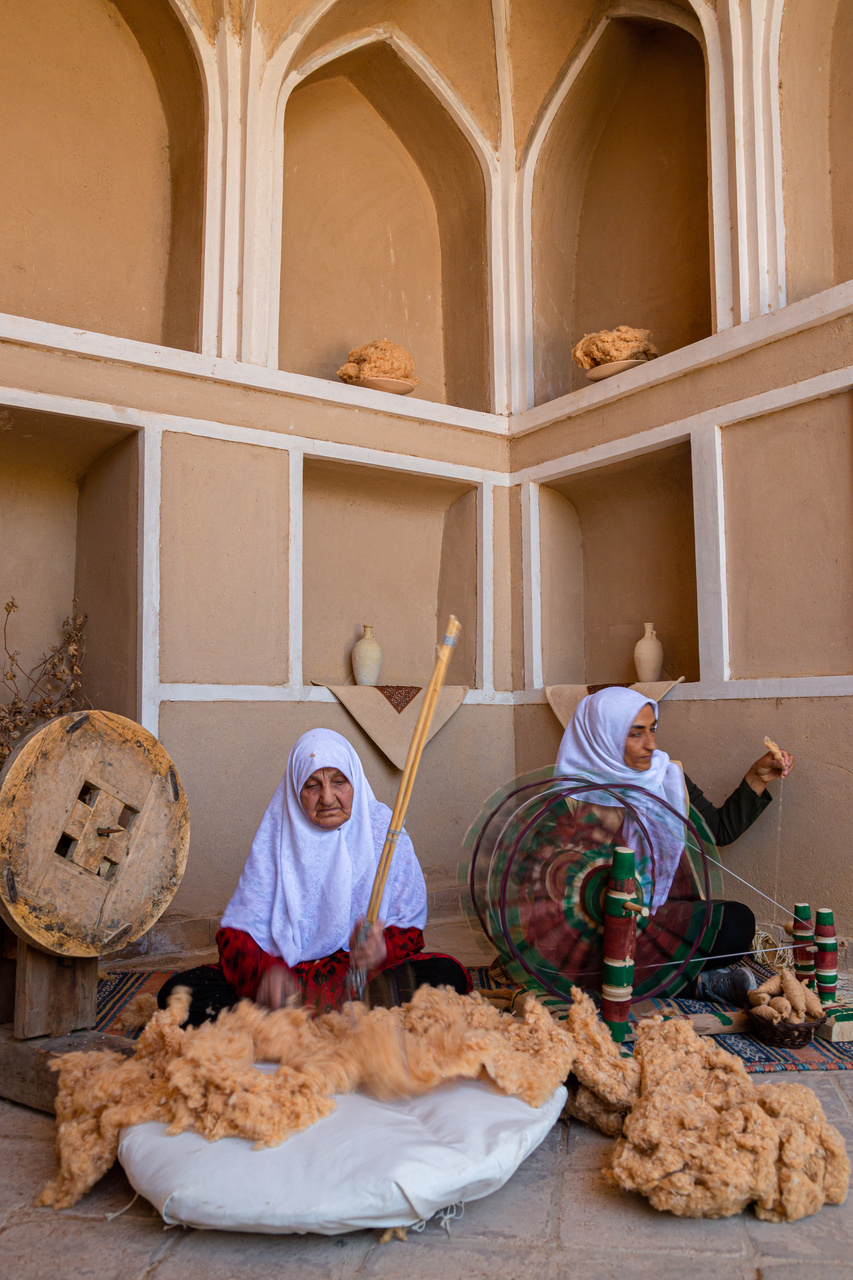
(554, 1219)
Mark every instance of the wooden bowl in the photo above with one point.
(394, 386)
(602, 371)
(784, 1035)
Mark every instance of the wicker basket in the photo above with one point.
(785, 1035)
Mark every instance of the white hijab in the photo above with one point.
(303, 889)
(593, 747)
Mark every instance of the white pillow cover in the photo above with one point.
(369, 1164)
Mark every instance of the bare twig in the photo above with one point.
(51, 688)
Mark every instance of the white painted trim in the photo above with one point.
(531, 552)
(294, 568)
(54, 337)
(738, 142)
(718, 162)
(796, 393)
(524, 219)
(774, 118)
(701, 691)
(277, 86)
(797, 317)
(486, 587)
(149, 580)
(508, 318)
(214, 119)
(710, 539)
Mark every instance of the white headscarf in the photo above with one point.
(593, 747)
(303, 889)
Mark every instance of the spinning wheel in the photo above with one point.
(94, 834)
(540, 858)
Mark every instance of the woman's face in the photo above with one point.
(640, 743)
(326, 798)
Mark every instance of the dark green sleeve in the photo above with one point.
(734, 816)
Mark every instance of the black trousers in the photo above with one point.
(211, 992)
(734, 937)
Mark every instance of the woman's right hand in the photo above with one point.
(276, 987)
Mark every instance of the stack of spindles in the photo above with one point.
(827, 955)
(804, 944)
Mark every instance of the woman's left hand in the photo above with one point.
(369, 952)
(769, 769)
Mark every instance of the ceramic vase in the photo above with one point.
(648, 655)
(367, 658)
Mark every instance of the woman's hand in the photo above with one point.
(769, 769)
(369, 952)
(276, 987)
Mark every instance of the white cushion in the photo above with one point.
(369, 1164)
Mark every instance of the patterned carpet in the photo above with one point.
(117, 988)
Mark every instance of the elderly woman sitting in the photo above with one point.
(292, 926)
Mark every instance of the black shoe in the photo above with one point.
(728, 986)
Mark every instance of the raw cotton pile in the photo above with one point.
(204, 1078)
(603, 1086)
(378, 359)
(783, 998)
(704, 1142)
(608, 345)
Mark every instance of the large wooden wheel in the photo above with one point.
(539, 858)
(94, 834)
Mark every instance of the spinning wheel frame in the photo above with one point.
(575, 790)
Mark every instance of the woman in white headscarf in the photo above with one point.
(612, 739)
(292, 926)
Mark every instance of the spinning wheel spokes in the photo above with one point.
(540, 856)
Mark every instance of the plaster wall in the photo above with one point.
(38, 525)
(458, 40)
(457, 586)
(639, 565)
(106, 580)
(223, 562)
(805, 55)
(361, 257)
(445, 801)
(562, 577)
(87, 227)
(505, 553)
(789, 525)
(372, 553)
(620, 215)
(840, 133)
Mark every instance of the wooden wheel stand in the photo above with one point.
(94, 834)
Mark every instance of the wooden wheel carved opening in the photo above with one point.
(94, 834)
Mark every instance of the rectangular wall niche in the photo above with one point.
(789, 529)
(396, 551)
(68, 525)
(617, 550)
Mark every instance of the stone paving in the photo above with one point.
(554, 1219)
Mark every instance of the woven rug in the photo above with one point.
(117, 988)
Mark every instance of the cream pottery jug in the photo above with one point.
(367, 658)
(648, 655)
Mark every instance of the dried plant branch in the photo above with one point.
(51, 688)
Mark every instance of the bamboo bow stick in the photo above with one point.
(410, 769)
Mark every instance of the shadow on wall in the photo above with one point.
(383, 228)
(816, 95)
(617, 551)
(621, 229)
(396, 551)
(102, 139)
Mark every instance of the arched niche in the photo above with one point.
(101, 147)
(620, 215)
(383, 228)
(816, 110)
